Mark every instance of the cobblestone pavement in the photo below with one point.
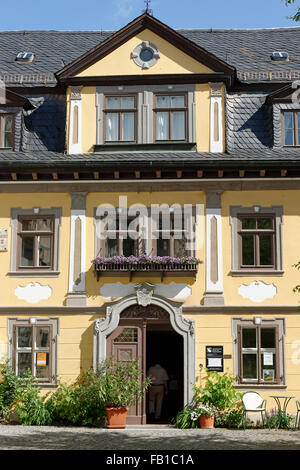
(145, 438)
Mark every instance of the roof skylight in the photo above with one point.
(25, 56)
(280, 55)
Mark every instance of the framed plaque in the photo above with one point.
(214, 358)
(3, 239)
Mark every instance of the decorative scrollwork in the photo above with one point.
(151, 311)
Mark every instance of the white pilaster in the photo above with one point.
(214, 275)
(216, 118)
(77, 293)
(75, 124)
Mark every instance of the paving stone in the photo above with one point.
(145, 438)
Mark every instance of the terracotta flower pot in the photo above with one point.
(116, 417)
(206, 422)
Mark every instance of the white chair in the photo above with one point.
(253, 403)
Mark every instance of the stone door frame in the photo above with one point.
(183, 326)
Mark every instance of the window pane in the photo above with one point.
(179, 248)
(146, 54)
(112, 126)
(44, 225)
(265, 250)
(163, 101)
(7, 123)
(268, 367)
(179, 125)
(177, 102)
(249, 366)
(248, 250)
(44, 251)
(249, 338)
(265, 224)
(43, 337)
(128, 247)
(111, 248)
(127, 102)
(24, 362)
(162, 126)
(113, 102)
(249, 224)
(29, 225)
(8, 140)
(289, 137)
(42, 365)
(128, 335)
(27, 253)
(6, 131)
(163, 247)
(24, 339)
(128, 126)
(268, 338)
(288, 121)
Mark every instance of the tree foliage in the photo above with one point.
(296, 16)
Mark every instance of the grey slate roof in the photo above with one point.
(247, 50)
(248, 122)
(10, 160)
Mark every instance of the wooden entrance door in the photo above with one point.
(128, 341)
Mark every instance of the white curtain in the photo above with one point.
(128, 126)
(162, 126)
(112, 126)
(178, 125)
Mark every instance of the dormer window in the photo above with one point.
(291, 128)
(6, 131)
(120, 118)
(170, 115)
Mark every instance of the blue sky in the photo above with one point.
(113, 14)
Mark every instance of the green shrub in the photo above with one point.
(185, 418)
(218, 391)
(9, 387)
(121, 383)
(79, 403)
(273, 420)
(232, 418)
(30, 407)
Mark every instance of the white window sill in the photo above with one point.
(33, 273)
(255, 272)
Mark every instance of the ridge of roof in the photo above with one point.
(111, 31)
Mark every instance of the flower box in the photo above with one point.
(141, 264)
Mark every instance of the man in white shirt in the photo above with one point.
(159, 385)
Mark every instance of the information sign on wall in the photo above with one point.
(214, 358)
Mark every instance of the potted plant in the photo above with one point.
(206, 415)
(121, 387)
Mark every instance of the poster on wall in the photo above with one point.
(214, 358)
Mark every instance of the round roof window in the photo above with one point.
(146, 54)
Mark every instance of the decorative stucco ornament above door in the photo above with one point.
(145, 55)
(258, 291)
(144, 292)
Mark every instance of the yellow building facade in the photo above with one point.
(165, 228)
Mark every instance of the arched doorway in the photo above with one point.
(147, 333)
(127, 326)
